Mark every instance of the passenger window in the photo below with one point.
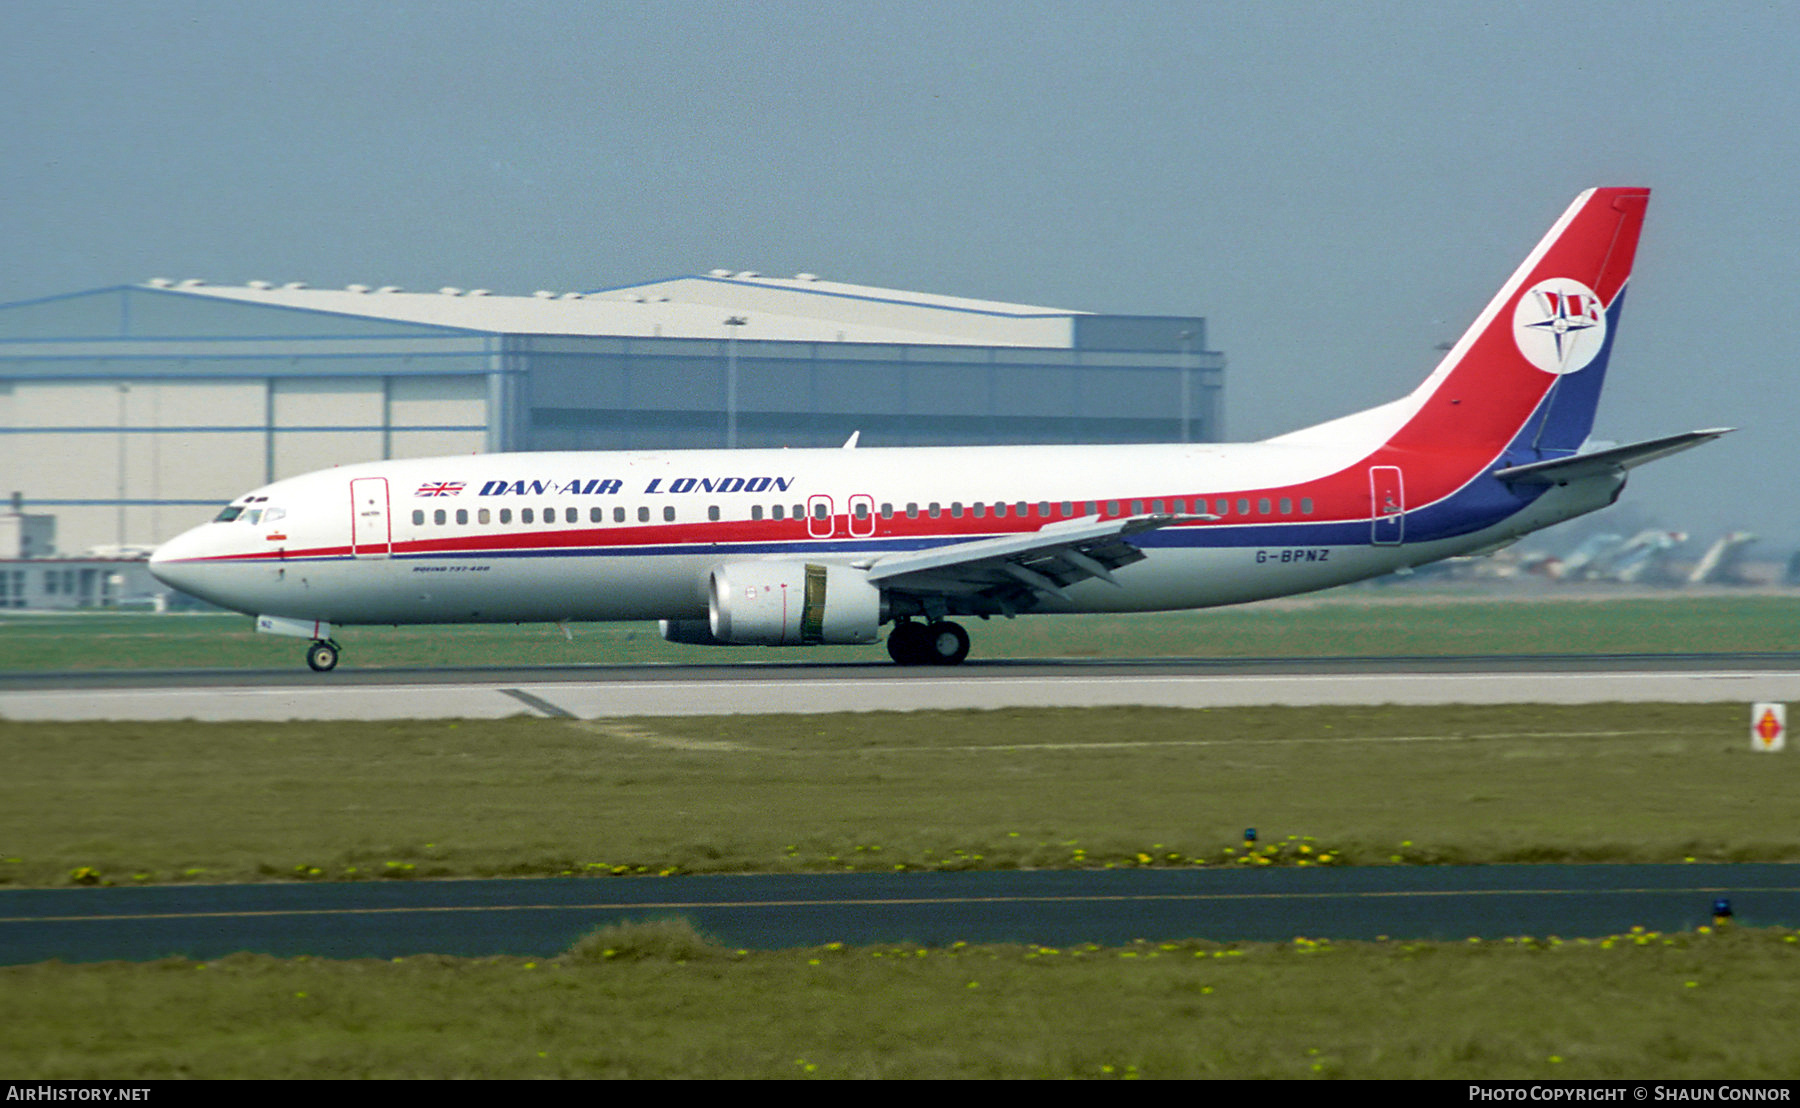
(506, 515)
(887, 511)
(482, 516)
(549, 515)
(777, 512)
(618, 515)
(756, 511)
(956, 509)
(862, 511)
(1112, 507)
(799, 512)
(595, 515)
(418, 518)
(644, 514)
(669, 514)
(1000, 510)
(1262, 506)
(1287, 505)
(1137, 507)
(933, 510)
(1306, 505)
(980, 510)
(1222, 507)
(526, 515)
(1243, 506)
(462, 516)
(439, 517)
(912, 511)
(1158, 508)
(1043, 509)
(1068, 509)
(819, 511)
(571, 515)
(712, 512)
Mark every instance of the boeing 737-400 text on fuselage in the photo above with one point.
(798, 547)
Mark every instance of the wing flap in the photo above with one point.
(1046, 561)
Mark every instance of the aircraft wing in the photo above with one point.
(1613, 459)
(1014, 569)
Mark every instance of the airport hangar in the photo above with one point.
(131, 413)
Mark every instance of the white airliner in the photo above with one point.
(797, 547)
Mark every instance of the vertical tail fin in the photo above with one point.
(1525, 378)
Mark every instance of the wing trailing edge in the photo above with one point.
(1045, 561)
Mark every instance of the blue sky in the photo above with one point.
(1337, 187)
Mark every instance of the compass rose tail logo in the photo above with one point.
(1559, 325)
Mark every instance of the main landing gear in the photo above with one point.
(928, 644)
(322, 655)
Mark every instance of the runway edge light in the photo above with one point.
(1768, 726)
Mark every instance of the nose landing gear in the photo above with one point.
(935, 644)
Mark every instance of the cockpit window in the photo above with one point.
(270, 515)
(231, 512)
(253, 515)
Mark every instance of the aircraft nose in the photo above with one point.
(173, 563)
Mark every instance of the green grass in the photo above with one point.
(667, 1004)
(160, 802)
(1346, 622)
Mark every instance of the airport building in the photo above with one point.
(132, 413)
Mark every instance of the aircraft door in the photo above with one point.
(1387, 495)
(862, 516)
(821, 517)
(371, 532)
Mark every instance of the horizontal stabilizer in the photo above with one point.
(1614, 459)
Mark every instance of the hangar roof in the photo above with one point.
(801, 308)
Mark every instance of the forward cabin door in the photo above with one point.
(1387, 495)
(371, 529)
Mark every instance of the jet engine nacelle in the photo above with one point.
(791, 604)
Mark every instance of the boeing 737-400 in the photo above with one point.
(799, 547)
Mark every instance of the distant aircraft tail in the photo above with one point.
(1524, 381)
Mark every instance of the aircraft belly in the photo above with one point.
(525, 589)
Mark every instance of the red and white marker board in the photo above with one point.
(1768, 726)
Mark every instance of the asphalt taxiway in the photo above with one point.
(543, 917)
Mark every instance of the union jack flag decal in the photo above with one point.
(440, 488)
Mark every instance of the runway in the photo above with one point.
(599, 692)
(543, 917)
